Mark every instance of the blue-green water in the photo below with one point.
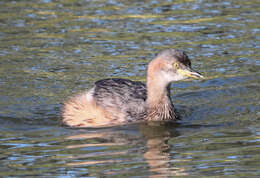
(50, 50)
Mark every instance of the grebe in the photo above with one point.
(118, 101)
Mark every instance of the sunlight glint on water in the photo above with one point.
(50, 50)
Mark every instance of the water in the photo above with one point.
(50, 50)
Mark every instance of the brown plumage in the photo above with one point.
(120, 101)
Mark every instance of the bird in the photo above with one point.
(118, 101)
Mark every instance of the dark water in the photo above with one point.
(51, 49)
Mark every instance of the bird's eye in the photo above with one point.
(176, 65)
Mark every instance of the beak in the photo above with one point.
(188, 72)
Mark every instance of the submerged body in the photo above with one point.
(120, 101)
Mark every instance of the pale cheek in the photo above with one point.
(170, 77)
(178, 77)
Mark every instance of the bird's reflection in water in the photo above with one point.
(158, 152)
(144, 145)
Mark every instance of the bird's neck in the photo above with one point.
(159, 105)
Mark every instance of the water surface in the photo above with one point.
(50, 50)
